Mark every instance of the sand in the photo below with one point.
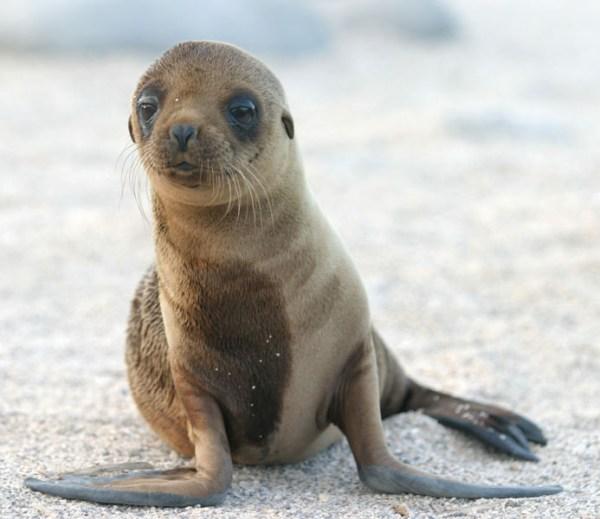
(464, 180)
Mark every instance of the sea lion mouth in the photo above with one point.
(184, 166)
(186, 174)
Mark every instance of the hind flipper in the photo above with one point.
(495, 426)
(492, 425)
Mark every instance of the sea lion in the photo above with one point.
(250, 339)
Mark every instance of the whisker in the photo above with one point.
(219, 181)
(130, 165)
(260, 184)
(241, 180)
(251, 192)
(120, 163)
(124, 163)
(258, 198)
(227, 178)
(238, 192)
(212, 183)
(142, 182)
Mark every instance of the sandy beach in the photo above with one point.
(464, 178)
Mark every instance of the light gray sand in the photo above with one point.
(463, 179)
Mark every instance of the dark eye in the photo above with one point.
(147, 108)
(241, 112)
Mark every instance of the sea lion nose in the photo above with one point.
(182, 133)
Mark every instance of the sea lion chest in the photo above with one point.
(234, 344)
(267, 342)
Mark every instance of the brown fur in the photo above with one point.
(247, 295)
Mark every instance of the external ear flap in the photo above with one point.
(288, 123)
(130, 129)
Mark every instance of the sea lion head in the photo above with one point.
(211, 124)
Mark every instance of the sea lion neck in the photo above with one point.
(221, 233)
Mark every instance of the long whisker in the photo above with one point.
(121, 163)
(219, 180)
(254, 174)
(238, 192)
(212, 183)
(142, 180)
(241, 180)
(251, 192)
(130, 166)
(258, 197)
(128, 169)
(229, 200)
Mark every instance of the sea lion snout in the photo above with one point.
(181, 134)
(191, 151)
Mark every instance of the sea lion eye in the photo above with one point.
(241, 112)
(147, 109)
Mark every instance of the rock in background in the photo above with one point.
(261, 26)
(420, 20)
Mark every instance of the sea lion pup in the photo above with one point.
(250, 340)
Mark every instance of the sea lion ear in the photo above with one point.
(288, 123)
(130, 126)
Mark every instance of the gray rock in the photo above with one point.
(262, 26)
(416, 19)
(499, 124)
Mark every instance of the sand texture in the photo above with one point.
(463, 177)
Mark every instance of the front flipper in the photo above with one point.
(355, 410)
(506, 431)
(205, 484)
(164, 488)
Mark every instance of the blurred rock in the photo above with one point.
(262, 26)
(417, 19)
(499, 124)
